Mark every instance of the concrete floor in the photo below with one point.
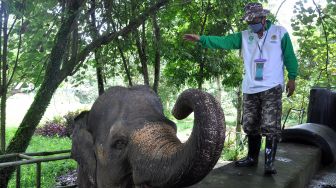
(296, 165)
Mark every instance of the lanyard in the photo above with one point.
(261, 48)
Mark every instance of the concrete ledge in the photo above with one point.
(316, 135)
(296, 165)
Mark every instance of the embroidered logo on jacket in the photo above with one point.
(274, 39)
(250, 39)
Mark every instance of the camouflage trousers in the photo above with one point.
(262, 112)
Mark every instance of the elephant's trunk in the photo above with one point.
(175, 164)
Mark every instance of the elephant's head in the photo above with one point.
(126, 141)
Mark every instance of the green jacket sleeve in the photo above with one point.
(290, 60)
(232, 41)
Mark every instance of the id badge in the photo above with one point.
(259, 69)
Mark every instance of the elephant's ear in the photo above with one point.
(83, 152)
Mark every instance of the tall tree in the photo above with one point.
(141, 43)
(59, 67)
(8, 70)
(97, 52)
(4, 44)
(157, 56)
(314, 29)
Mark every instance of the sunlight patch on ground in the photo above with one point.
(61, 104)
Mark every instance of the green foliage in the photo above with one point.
(184, 125)
(314, 28)
(231, 152)
(185, 58)
(34, 23)
(58, 120)
(297, 102)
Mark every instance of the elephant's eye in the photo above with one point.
(119, 144)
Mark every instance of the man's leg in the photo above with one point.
(251, 114)
(271, 124)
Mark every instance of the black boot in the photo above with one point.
(254, 142)
(270, 150)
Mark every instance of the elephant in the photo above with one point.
(125, 140)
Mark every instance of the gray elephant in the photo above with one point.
(126, 141)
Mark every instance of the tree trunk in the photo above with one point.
(239, 116)
(94, 35)
(141, 46)
(99, 72)
(218, 89)
(4, 75)
(3, 128)
(157, 41)
(125, 63)
(202, 58)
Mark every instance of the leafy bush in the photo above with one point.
(70, 121)
(51, 129)
(59, 126)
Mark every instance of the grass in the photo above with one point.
(50, 170)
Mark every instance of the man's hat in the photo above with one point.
(253, 10)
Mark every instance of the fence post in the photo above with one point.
(38, 175)
(31, 160)
(18, 176)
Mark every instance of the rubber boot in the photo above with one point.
(254, 142)
(270, 151)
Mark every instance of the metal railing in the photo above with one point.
(301, 115)
(28, 158)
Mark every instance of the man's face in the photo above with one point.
(257, 20)
(257, 25)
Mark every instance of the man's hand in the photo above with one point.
(290, 87)
(191, 37)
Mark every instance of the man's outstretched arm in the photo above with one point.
(232, 41)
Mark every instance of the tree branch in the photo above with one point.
(11, 28)
(283, 2)
(107, 38)
(327, 42)
(157, 41)
(17, 57)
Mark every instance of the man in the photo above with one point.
(266, 49)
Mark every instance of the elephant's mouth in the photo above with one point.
(124, 181)
(127, 182)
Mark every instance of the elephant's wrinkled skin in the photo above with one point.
(126, 141)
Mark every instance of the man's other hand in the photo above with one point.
(191, 37)
(290, 87)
